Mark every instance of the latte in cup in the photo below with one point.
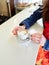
(23, 34)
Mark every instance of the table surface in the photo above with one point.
(14, 51)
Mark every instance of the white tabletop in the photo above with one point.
(12, 50)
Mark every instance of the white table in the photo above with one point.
(12, 50)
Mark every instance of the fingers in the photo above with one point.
(36, 37)
(14, 31)
(36, 40)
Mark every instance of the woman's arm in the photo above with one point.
(32, 19)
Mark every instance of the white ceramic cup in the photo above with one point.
(23, 34)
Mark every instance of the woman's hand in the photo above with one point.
(36, 37)
(14, 31)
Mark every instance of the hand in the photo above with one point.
(14, 31)
(36, 37)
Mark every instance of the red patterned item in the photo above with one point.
(42, 57)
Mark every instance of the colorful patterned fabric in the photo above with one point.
(42, 57)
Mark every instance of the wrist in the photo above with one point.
(24, 26)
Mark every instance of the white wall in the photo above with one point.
(31, 1)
